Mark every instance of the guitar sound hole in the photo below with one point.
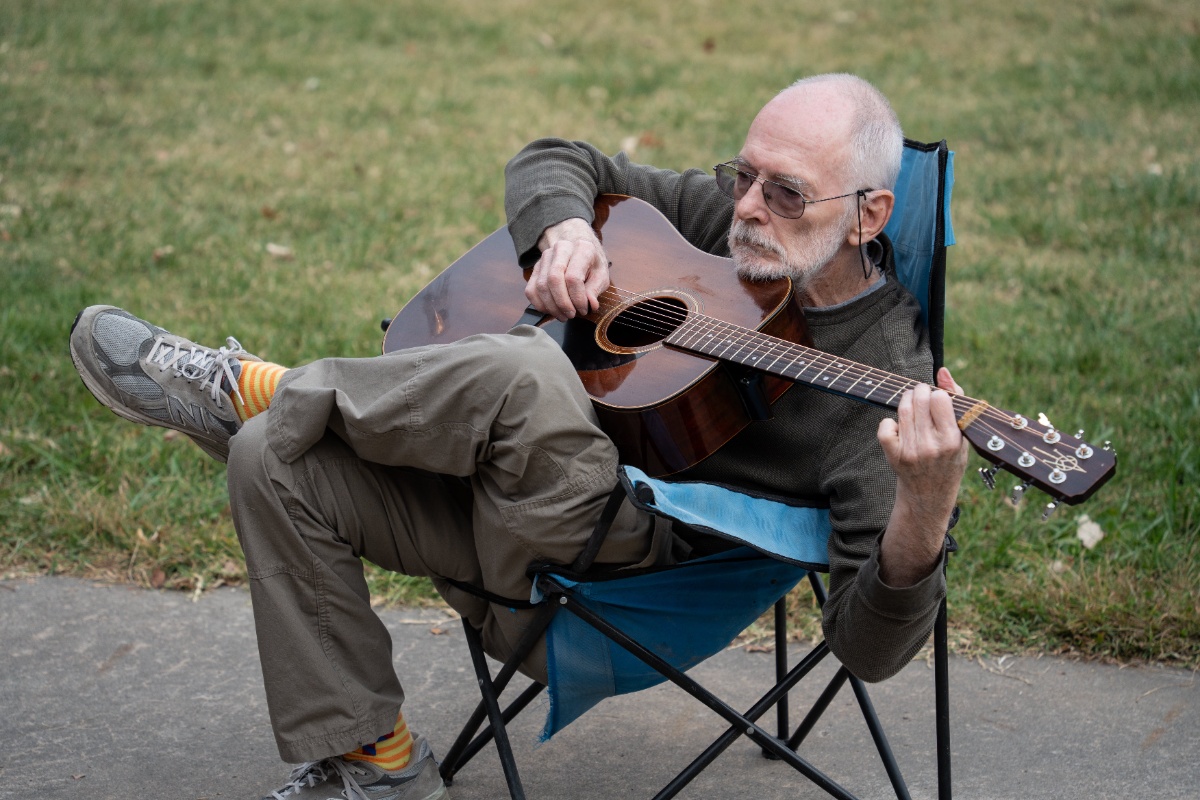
(647, 322)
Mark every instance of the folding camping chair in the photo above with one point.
(612, 638)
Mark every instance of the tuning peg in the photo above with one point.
(1108, 448)
(988, 476)
(1079, 433)
(1018, 493)
(1053, 504)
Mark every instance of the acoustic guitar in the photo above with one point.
(683, 354)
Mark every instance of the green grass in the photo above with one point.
(149, 151)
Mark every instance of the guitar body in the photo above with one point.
(664, 408)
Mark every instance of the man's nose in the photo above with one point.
(753, 204)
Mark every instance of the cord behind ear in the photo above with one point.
(868, 267)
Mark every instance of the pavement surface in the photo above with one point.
(117, 692)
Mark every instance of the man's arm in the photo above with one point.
(892, 481)
(550, 187)
(928, 453)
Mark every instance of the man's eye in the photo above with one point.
(789, 193)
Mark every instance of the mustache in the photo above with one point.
(745, 234)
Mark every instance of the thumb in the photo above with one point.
(946, 381)
(888, 435)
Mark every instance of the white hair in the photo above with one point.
(876, 139)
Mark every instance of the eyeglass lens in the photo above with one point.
(783, 200)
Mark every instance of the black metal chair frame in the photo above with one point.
(781, 745)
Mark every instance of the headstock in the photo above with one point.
(1065, 467)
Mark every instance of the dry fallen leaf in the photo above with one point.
(436, 631)
(279, 251)
(158, 579)
(1089, 533)
(650, 139)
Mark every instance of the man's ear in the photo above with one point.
(876, 209)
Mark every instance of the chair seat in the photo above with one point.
(709, 600)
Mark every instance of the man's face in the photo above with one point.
(759, 256)
(798, 139)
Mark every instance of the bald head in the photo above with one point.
(850, 117)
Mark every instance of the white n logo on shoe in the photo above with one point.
(193, 417)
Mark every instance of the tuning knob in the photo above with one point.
(1053, 504)
(988, 476)
(1018, 493)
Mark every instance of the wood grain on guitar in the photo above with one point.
(655, 358)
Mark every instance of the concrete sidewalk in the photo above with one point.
(115, 692)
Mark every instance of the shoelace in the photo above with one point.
(311, 773)
(200, 363)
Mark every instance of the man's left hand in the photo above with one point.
(928, 453)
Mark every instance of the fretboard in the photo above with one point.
(715, 339)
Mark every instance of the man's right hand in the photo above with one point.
(572, 272)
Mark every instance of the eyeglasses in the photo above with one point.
(783, 200)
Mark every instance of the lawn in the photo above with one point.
(290, 173)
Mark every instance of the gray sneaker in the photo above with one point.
(152, 377)
(339, 779)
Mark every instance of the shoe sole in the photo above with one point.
(219, 452)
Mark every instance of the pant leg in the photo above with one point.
(326, 657)
(505, 411)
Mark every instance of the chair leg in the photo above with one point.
(515, 790)
(781, 665)
(882, 745)
(781, 690)
(487, 734)
(742, 723)
(941, 679)
(818, 708)
(464, 749)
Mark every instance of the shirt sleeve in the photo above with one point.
(551, 180)
(874, 629)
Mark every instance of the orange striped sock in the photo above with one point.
(391, 752)
(257, 386)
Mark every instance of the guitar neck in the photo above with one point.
(712, 338)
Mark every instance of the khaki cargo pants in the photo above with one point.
(367, 458)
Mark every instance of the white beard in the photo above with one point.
(758, 257)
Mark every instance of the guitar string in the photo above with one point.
(675, 316)
(890, 382)
(668, 317)
(740, 338)
(780, 348)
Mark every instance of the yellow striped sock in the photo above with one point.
(391, 752)
(257, 386)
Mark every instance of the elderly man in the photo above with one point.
(468, 461)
